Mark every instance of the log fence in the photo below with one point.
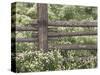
(41, 25)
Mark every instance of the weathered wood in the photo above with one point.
(31, 39)
(61, 34)
(43, 26)
(73, 23)
(74, 47)
(30, 28)
(26, 28)
(26, 40)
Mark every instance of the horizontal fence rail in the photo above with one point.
(73, 23)
(74, 47)
(26, 40)
(61, 34)
(27, 28)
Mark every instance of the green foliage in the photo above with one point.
(60, 12)
(29, 58)
(25, 47)
(52, 60)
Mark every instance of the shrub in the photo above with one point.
(50, 61)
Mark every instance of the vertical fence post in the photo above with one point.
(42, 13)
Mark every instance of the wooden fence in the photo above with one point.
(44, 33)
